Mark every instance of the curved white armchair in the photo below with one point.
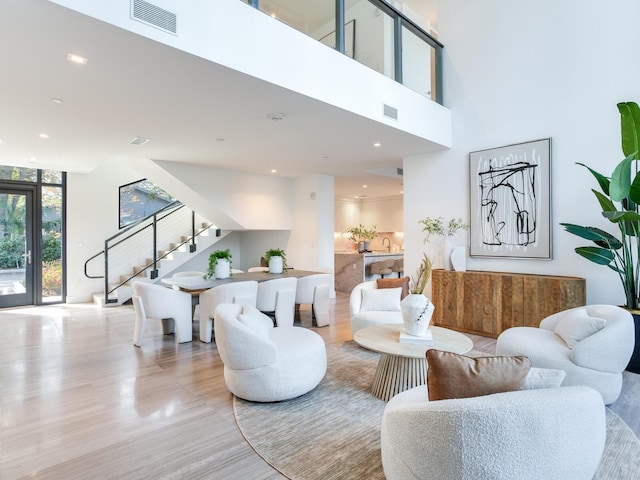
(263, 363)
(527, 434)
(171, 306)
(278, 297)
(314, 290)
(242, 293)
(597, 361)
(362, 316)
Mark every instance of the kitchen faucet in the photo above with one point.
(388, 243)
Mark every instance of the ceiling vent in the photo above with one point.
(390, 111)
(153, 15)
(400, 171)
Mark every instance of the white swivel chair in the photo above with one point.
(527, 434)
(314, 290)
(242, 293)
(263, 363)
(369, 311)
(278, 297)
(172, 307)
(595, 357)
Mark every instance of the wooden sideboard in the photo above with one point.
(486, 303)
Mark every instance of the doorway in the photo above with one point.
(16, 246)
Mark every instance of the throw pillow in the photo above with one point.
(578, 325)
(450, 375)
(375, 300)
(256, 321)
(543, 378)
(394, 283)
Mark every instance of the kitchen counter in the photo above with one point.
(351, 268)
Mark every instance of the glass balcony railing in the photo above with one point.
(371, 32)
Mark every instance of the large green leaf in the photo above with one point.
(602, 180)
(602, 238)
(605, 202)
(598, 255)
(630, 128)
(621, 180)
(622, 215)
(634, 193)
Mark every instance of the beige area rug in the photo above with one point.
(333, 432)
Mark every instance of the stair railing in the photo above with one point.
(144, 235)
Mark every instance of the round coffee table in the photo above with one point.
(404, 365)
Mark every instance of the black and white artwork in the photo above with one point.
(510, 201)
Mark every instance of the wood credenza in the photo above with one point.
(486, 303)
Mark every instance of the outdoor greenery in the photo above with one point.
(619, 198)
(11, 252)
(52, 278)
(213, 261)
(276, 252)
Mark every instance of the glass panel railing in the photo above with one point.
(418, 64)
(375, 34)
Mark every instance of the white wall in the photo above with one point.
(386, 213)
(232, 33)
(519, 71)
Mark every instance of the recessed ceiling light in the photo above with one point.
(377, 144)
(33, 160)
(44, 135)
(273, 170)
(78, 59)
(365, 186)
(57, 100)
(139, 141)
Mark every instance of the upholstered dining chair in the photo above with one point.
(172, 307)
(263, 363)
(277, 297)
(242, 293)
(315, 290)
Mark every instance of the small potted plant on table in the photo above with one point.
(219, 264)
(276, 259)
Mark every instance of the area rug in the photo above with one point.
(333, 432)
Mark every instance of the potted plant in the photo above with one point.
(619, 199)
(416, 308)
(276, 259)
(452, 254)
(219, 264)
(363, 236)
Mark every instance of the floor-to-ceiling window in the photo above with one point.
(32, 214)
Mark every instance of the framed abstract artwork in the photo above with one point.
(510, 200)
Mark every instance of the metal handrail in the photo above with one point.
(132, 231)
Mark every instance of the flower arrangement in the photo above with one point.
(435, 226)
(361, 232)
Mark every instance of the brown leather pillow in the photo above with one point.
(450, 375)
(395, 283)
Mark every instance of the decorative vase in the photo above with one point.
(275, 264)
(367, 245)
(459, 259)
(222, 269)
(416, 312)
(360, 247)
(449, 245)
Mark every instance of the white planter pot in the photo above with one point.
(367, 245)
(275, 265)
(448, 246)
(222, 269)
(459, 259)
(360, 247)
(416, 314)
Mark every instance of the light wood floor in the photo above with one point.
(79, 401)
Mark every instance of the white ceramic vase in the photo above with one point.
(222, 269)
(275, 264)
(459, 259)
(449, 245)
(360, 247)
(367, 245)
(416, 312)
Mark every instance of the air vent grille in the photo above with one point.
(390, 111)
(153, 15)
(400, 171)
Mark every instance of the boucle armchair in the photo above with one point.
(371, 306)
(527, 434)
(592, 344)
(263, 363)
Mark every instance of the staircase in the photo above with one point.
(150, 250)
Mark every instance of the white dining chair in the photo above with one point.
(314, 290)
(277, 297)
(172, 307)
(242, 293)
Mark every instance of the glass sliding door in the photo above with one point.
(16, 247)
